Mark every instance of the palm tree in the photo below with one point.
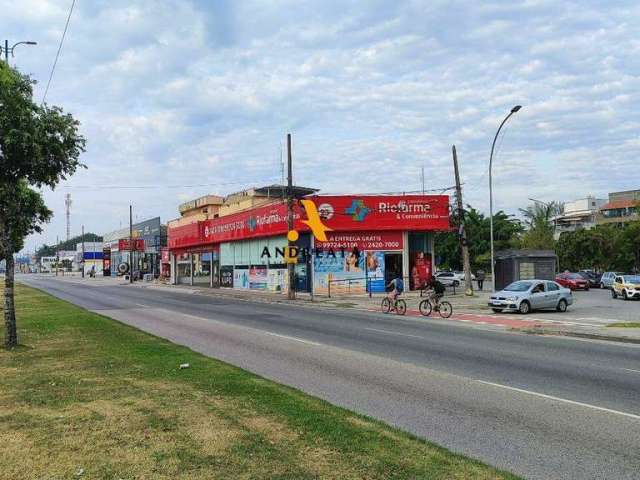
(539, 221)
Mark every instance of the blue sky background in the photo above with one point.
(195, 97)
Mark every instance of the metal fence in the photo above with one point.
(346, 286)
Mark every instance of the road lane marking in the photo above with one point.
(630, 370)
(309, 342)
(143, 305)
(558, 399)
(395, 333)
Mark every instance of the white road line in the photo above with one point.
(143, 305)
(558, 399)
(292, 338)
(394, 333)
(630, 370)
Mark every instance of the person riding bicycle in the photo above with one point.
(434, 290)
(398, 287)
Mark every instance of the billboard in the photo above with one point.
(345, 213)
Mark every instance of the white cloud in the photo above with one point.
(174, 92)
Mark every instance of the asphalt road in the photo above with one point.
(542, 407)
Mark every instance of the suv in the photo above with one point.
(606, 281)
(627, 286)
(592, 277)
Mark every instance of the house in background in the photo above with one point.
(582, 213)
(621, 208)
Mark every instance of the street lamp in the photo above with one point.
(6, 48)
(493, 145)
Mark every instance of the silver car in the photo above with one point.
(526, 295)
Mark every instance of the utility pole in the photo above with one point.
(291, 294)
(82, 261)
(130, 244)
(468, 287)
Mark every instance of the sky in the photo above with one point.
(180, 98)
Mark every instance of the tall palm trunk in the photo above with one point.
(11, 334)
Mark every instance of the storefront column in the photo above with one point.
(406, 273)
(191, 269)
(432, 249)
(173, 266)
(211, 270)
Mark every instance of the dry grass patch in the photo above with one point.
(85, 394)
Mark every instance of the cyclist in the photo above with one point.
(434, 290)
(398, 288)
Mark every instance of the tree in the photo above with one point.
(50, 250)
(39, 146)
(506, 233)
(538, 219)
(23, 212)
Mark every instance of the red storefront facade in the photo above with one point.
(394, 233)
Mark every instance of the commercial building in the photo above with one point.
(621, 208)
(149, 236)
(372, 239)
(582, 213)
(93, 252)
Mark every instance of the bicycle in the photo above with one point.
(444, 308)
(399, 305)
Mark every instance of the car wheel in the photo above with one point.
(562, 305)
(524, 307)
(613, 293)
(496, 310)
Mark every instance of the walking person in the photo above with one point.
(480, 278)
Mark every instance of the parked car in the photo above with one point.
(606, 281)
(448, 279)
(526, 295)
(572, 281)
(592, 277)
(626, 286)
(460, 276)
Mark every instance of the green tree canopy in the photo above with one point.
(39, 146)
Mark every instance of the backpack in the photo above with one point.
(399, 285)
(438, 287)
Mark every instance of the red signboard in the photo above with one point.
(125, 244)
(362, 240)
(344, 213)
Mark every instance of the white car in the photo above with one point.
(449, 279)
(452, 278)
(526, 295)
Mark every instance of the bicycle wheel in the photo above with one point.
(401, 307)
(386, 305)
(425, 308)
(445, 309)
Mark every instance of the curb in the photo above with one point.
(592, 336)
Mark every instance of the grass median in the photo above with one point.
(85, 396)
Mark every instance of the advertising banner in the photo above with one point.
(226, 276)
(124, 244)
(374, 265)
(344, 271)
(258, 277)
(420, 264)
(362, 241)
(277, 279)
(345, 213)
(241, 278)
(106, 262)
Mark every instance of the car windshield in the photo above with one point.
(632, 279)
(518, 287)
(574, 276)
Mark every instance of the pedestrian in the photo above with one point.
(480, 278)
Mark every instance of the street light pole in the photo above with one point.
(493, 145)
(6, 48)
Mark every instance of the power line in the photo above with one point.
(156, 186)
(55, 62)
